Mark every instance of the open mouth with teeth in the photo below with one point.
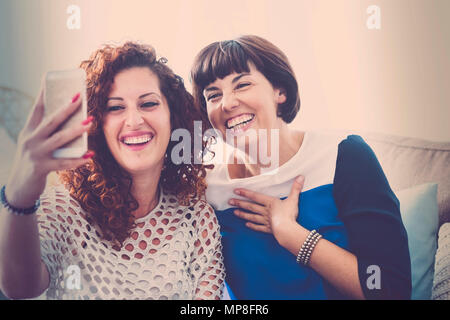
(239, 122)
(137, 141)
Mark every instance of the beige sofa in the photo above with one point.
(409, 162)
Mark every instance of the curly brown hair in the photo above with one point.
(102, 187)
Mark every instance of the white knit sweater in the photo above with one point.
(173, 253)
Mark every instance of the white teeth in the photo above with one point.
(237, 127)
(239, 121)
(137, 140)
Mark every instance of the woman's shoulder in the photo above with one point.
(202, 207)
(196, 207)
(205, 216)
(203, 210)
(346, 150)
(355, 146)
(355, 156)
(56, 201)
(359, 175)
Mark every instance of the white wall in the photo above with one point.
(392, 80)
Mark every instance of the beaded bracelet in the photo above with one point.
(14, 210)
(311, 248)
(307, 247)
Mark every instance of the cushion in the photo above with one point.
(419, 211)
(441, 284)
(409, 162)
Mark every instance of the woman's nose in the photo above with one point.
(133, 119)
(229, 102)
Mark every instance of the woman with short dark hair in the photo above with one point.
(317, 221)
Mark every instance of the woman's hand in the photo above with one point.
(269, 214)
(34, 156)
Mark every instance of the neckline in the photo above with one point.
(287, 164)
(154, 209)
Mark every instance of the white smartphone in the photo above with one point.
(60, 88)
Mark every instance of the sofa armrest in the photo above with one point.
(441, 281)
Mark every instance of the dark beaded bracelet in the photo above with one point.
(17, 211)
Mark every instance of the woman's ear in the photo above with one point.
(281, 95)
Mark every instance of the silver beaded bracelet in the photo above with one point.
(304, 245)
(307, 247)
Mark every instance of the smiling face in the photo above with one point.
(243, 101)
(136, 123)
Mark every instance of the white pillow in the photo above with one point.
(420, 215)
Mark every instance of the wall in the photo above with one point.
(392, 80)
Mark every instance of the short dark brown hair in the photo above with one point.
(219, 59)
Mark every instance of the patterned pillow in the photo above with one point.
(441, 284)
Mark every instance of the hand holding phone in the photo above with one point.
(53, 138)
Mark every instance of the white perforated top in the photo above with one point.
(173, 253)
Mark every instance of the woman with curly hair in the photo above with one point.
(128, 223)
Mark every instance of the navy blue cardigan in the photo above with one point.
(371, 215)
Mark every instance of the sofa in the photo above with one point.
(408, 163)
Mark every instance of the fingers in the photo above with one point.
(297, 187)
(66, 164)
(257, 227)
(256, 218)
(62, 137)
(253, 207)
(49, 125)
(254, 196)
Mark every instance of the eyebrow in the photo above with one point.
(140, 97)
(235, 79)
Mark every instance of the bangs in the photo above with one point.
(220, 59)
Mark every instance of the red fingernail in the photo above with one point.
(87, 120)
(75, 97)
(88, 154)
